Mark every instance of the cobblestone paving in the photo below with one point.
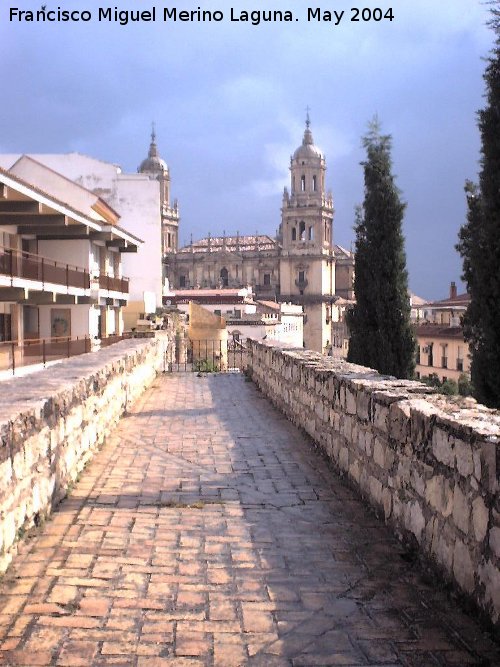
(208, 532)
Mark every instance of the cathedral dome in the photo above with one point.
(153, 164)
(308, 149)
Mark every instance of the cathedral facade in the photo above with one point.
(300, 265)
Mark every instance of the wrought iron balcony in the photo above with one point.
(301, 284)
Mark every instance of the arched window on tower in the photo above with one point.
(310, 234)
(294, 234)
(303, 183)
(224, 277)
(302, 230)
(314, 183)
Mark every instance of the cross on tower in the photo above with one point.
(308, 121)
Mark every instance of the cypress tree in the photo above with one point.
(479, 240)
(381, 335)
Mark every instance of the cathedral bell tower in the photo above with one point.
(307, 266)
(157, 169)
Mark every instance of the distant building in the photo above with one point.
(245, 317)
(301, 265)
(442, 349)
(281, 322)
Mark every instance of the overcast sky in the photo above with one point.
(229, 101)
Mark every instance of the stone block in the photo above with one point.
(387, 503)
(463, 453)
(319, 410)
(347, 423)
(18, 465)
(461, 510)
(362, 438)
(390, 457)
(489, 466)
(350, 401)
(335, 446)
(398, 508)
(430, 533)
(418, 482)
(380, 417)
(5, 473)
(439, 495)
(364, 481)
(489, 577)
(369, 444)
(399, 421)
(379, 453)
(355, 472)
(363, 405)
(476, 457)
(463, 566)
(442, 549)
(375, 489)
(414, 520)
(443, 447)
(494, 541)
(480, 518)
(403, 472)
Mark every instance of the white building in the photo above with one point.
(142, 201)
(60, 258)
(281, 322)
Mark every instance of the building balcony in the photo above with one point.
(17, 264)
(26, 270)
(114, 284)
(301, 284)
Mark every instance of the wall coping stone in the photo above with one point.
(26, 393)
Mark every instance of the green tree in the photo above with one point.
(381, 335)
(449, 387)
(479, 240)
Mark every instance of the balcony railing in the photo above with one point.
(113, 284)
(301, 284)
(19, 353)
(21, 264)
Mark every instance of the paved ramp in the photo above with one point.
(209, 532)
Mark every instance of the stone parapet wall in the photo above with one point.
(53, 421)
(426, 462)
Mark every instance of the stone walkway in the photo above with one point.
(208, 532)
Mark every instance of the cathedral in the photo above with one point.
(300, 265)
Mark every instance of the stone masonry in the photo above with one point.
(427, 463)
(207, 532)
(52, 423)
